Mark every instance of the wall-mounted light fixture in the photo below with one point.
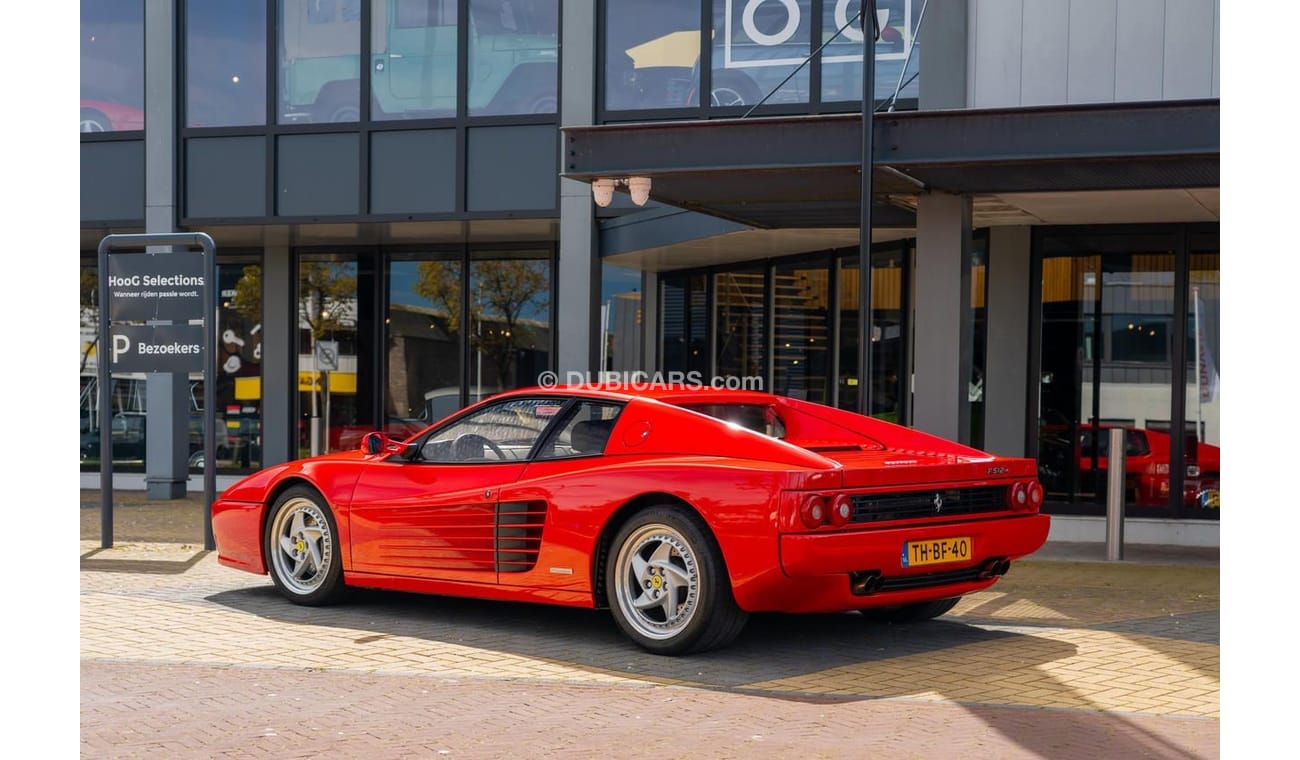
(602, 190)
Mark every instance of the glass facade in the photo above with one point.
(319, 61)
(621, 319)
(513, 57)
(112, 66)
(1115, 329)
(225, 63)
(335, 377)
(423, 336)
(740, 319)
(413, 47)
(801, 330)
(760, 51)
(509, 305)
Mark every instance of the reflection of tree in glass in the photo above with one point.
(327, 297)
(504, 292)
(248, 294)
(89, 313)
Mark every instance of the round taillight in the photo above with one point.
(813, 512)
(1019, 496)
(1035, 494)
(841, 509)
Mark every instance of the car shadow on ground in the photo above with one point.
(804, 657)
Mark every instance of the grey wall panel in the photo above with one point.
(995, 53)
(112, 180)
(413, 172)
(945, 29)
(317, 175)
(225, 177)
(511, 168)
(1041, 52)
(1044, 52)
(1139, 50)
(1189, 49)
(1092, 52)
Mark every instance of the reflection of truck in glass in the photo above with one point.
(512, 58)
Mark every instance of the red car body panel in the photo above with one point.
(431, 528)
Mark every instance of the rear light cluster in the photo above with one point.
(818, 511)
(1026, 494)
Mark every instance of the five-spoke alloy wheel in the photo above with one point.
(667, 586)
(302, 550)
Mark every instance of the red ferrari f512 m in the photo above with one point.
(681, 510)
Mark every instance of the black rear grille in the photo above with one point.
(934, 502)
(903, 582)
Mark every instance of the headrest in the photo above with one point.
(590, 436)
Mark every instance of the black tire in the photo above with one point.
(911, 613)
(666, 553)
(302, 549)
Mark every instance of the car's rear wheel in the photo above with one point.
(911, 613)
(667, 585)
(302, 550)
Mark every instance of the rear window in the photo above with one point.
(757, 417)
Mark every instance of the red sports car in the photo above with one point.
(681, 510)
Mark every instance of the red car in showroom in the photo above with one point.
(681, 510)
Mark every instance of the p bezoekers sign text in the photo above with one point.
(157, 348)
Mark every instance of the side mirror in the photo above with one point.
(374, 443)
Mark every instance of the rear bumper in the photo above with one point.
(818, 570)
(812, 554)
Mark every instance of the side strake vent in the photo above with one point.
(934, 502)
(519, 535)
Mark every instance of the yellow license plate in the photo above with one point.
(937, 551)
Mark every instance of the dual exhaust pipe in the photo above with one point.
(865, 582)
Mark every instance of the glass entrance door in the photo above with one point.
(1107, 361)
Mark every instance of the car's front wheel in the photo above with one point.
(302, 549)
(667, 585)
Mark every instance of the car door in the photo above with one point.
(437, 515)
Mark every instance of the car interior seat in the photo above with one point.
(590, 436)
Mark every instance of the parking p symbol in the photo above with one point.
(121, 345)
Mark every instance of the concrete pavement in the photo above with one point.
(1065, 657)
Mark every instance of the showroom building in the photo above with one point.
(404, 199)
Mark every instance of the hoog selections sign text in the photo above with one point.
(162, 287)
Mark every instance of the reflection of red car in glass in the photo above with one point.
(104, 116)
(1147, 465)
(680, 510)
(347, 437)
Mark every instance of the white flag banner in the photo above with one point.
(1206, 368)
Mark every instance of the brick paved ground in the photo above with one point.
(181, 657)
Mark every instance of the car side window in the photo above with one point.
(584, 432)
(502, 432)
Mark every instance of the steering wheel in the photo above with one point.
(475, 442)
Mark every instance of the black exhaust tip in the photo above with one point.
(864, 582)
(993, 568)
